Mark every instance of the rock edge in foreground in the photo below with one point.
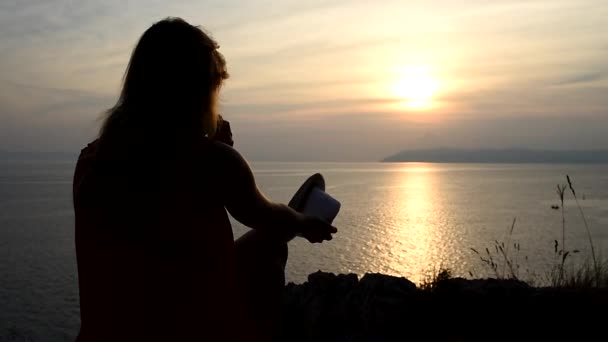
(379, 307)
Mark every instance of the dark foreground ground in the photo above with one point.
(383, 308)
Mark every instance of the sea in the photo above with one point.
(402, 219)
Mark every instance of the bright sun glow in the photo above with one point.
(416, 87)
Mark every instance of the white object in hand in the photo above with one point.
(322, 205)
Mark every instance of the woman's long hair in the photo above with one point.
(170, 87)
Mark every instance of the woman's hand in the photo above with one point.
(315, 230)
(223, 133)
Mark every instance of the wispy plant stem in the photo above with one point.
(580, 209)
(563, 228)
(505, 252)
(560, 192)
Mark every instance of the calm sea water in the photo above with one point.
(400, 219)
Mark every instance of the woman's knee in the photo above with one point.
(256, 245)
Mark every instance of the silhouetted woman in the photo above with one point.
(155, 250)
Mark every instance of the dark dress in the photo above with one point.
(154, 245)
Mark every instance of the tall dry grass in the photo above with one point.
(505, 262)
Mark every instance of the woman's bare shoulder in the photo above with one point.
(228, 159)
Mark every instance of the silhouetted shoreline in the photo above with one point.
(515, 156)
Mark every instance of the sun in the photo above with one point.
(416, 87)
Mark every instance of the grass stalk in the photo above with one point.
(561, 190)
(580, 209)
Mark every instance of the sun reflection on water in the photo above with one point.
(416, 238)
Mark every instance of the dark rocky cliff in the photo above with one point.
(384, 308)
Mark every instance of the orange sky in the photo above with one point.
(325, 80)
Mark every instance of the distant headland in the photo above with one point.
(451, 155)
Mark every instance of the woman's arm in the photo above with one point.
(248, 205)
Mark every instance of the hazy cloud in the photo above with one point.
(584, 78)
(313, 80)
